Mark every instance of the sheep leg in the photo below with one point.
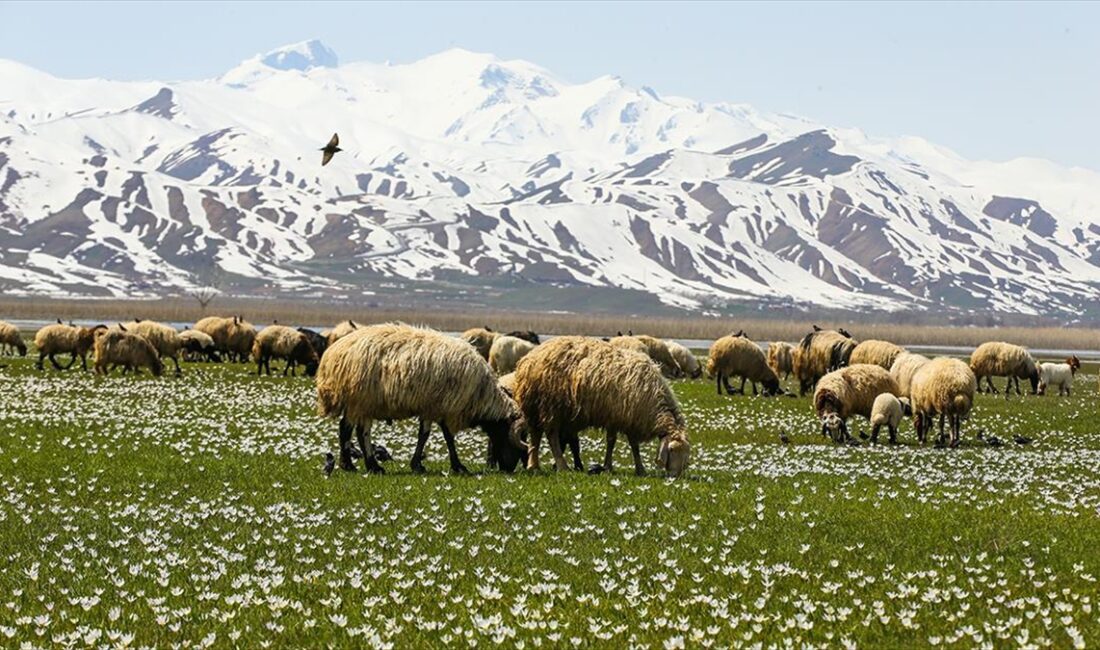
(874, 432)
(362, 434)
(717, 381)
(422, 440)
(989, 383)
(346, 462)
(456, 465)
(177, 362)
(555, 448)
(754, 389)
(742, 389)
(941, 437)
(639, 468)
(41, 358)
(575, 447)
(893, 434)
(533, 448)
(611, 438)
(956, 426)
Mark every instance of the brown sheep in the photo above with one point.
(118, 347)
(233, 336)
(164, 339)
(737, 356)
(849, 391)
(780, 358)
(58, 338)
(11, 339)
(998, 359)
(819, 353)
(879, 353)
(281, 342)
(481, 338)
(943, 387)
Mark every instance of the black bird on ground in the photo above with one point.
(330, 149)
(381, 454)
(993, 441)
(1023, 440)
(330, 463)
(784, 438)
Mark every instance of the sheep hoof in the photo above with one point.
(374, 468)
(459, 469)
(418, 468)
(347, 465)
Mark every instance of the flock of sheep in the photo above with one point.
(519, 390)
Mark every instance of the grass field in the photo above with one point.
(193, 511)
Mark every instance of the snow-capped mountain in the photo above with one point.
(471, 170)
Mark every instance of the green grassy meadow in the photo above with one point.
(194, 512)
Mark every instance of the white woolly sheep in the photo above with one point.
(11, 339)
(905, 366)
(1058, 374)
(393, 372)
(282, 342)
(685, 359)
(943, 387)
(999, 359)
(737, 356)
(164, 338)
(57, 339)
(849, 391)
(481, 338)
(118, 347)
(506, 352)
(659, 352)
(888, 411)
(781, 358)
(342, 329)
(572, 383)
(879, 353)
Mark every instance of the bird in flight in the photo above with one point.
(330, 149)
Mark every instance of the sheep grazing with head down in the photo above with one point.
(943, 387)
(394, 372)
(198, 346)
(1058, 374)
(508, 384)
(233, 336)
(888, 411)
(506, 352)
(282, 342)
(685, 359)
(849, 391)
(998, 359)
(572, 383)
(59, 339)
(118, 347)
(342, 329)
(164, 338)
(481, 338)
(659, 352)
(781, 358)
(818, 353)
(737, 356)
(879, 353)
(905, 366)
(11, 340)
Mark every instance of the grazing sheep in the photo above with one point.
(281, 342)
(781, 358)
(341, 330)
(572, 383)
(659, 352)
(481, 338)
(393, 371)
(232, 336)
(508, 384)
(943, 387)
(685, 359)
(888, 410)
(317, 341)
(55, 339)
(198, 345)
(998, 359)
(880, 353)
(849, 391)
(1058, 374)
(164, 338)
(737, 356)
(818, 353)
(526, 335)
(11, 340)
(629, 343)
(506, 352)
(118, 347)
(905, 366)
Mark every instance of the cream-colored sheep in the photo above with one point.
(58, 339)
(781, 358)
(11, 339)
(572, 383)
(481, 338)
(943, 387)
(233, 336)
(685, 359)
(393, 372)
(164, 338)
(999, 359)
(506, 352)
(118, 347)
(905, 366)
(1058, 374)
(341, 330)
(282, 342)
(659, 352)
(737, 356)
(819, 353)
(849, 391)
(630, 343)
(888, 411)
(879, 353)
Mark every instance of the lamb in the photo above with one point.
(685, 359)
(943, 387)
(198, 345)
(164, 339)
(888, 411)
(736, 356)
(572, 383)
(818, 353)
(880, 353)
(1058, 374)
(780, 358)
(11, 340)
(905, 366)
(506, 352)
(481, 338)
(282, 342)
(232, 336)
(998, 359)
(55, 339)
(849, 391)
(119, 347)
(393, 371)
(341, 330)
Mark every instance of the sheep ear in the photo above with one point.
(121, 327)
(353, 325)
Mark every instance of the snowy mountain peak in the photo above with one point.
(301, 56)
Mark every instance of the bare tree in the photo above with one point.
(207, 288)
(204, 295)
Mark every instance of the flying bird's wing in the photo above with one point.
(327, 156)
(334, 142)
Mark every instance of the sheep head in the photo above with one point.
(674, 453)
(1074, 364)
(771, 387)
(506, 438)
(833, 426)
(906, 406)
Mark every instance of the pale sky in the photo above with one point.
(991, 81)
